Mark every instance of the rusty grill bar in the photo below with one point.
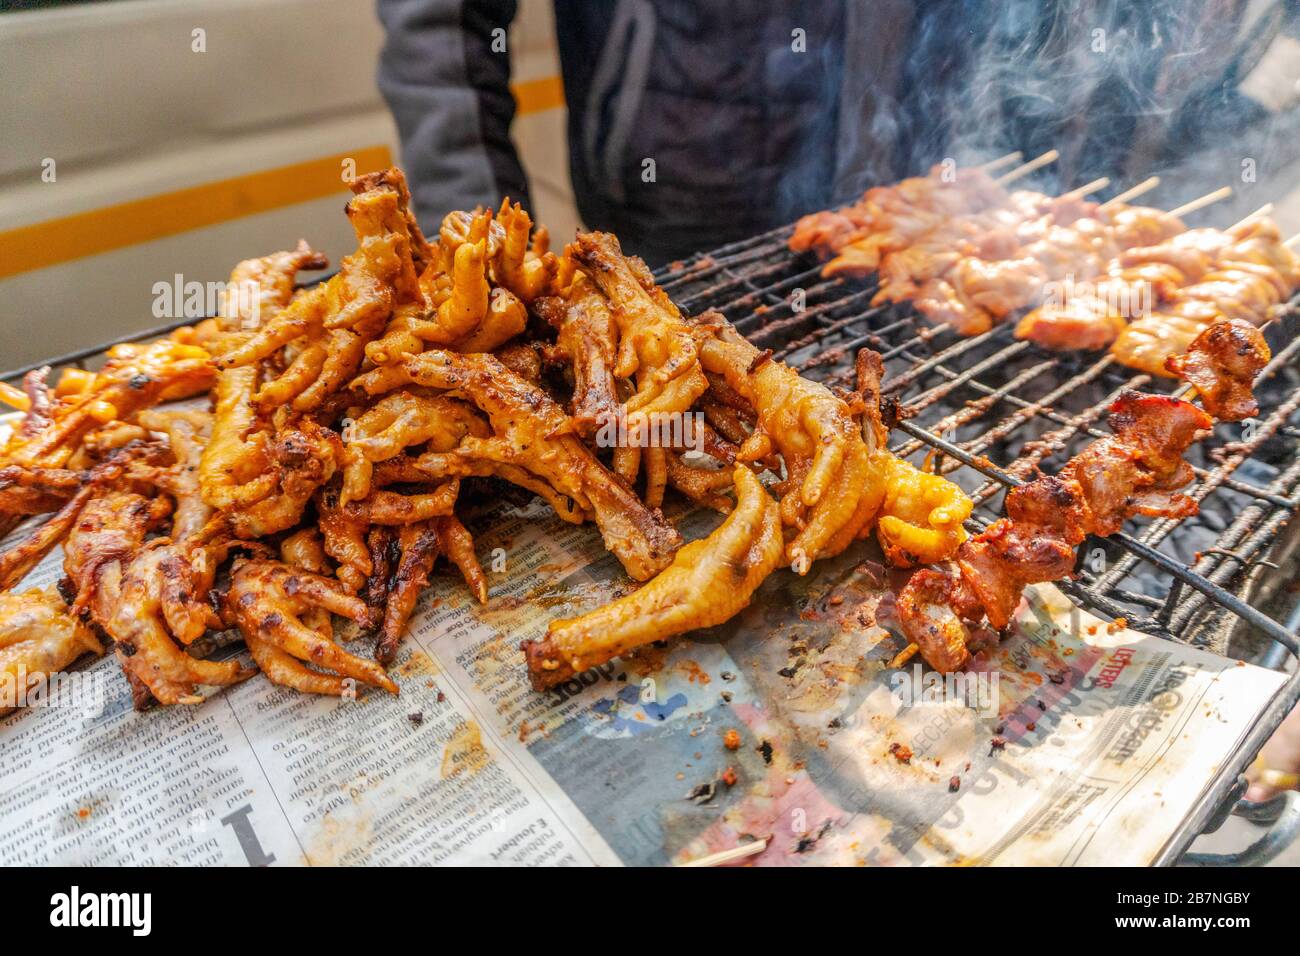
(969, 402)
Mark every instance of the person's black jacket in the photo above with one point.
(696, 122)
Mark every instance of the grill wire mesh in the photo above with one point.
(968, 403)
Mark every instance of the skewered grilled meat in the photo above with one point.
(1090, 315)
(1242, 274)
(834, 485)
(980, 263)
(1222, 363)
(977, 284)
(588, 342)
(134, 378)
(892, 217)
(1137, 470)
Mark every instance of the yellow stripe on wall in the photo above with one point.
(54, 241)
(167, 214)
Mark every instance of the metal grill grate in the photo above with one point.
(968, 402)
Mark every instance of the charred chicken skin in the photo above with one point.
(1222, 363)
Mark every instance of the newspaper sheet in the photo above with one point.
(1074, 743)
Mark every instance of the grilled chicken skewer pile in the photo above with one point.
(1091, 274)
(1243, 272)
(975, 273)
(888, 218)
(968, 258)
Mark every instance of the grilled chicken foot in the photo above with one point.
(38, 637)
(709, 582)
(533, 444)
(833, 485)
(271, 602)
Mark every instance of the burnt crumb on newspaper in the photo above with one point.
(765, 748)
(954, 783)
(809, 840)
(702, 793)
(900, 752)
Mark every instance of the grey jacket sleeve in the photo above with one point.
(445, 73)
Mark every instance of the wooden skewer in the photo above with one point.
(1007, 160)
(1038, 162)
(1263, 210)
(1143, 187)
(1095, 186)
(741, 852)
(1202, 201)
(1293, 241)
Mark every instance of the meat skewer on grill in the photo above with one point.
(978, 267)
(978, 271)
(1138, 469)
(888, 218)
(1242, 274)
(975, 268)
(1092, 314)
